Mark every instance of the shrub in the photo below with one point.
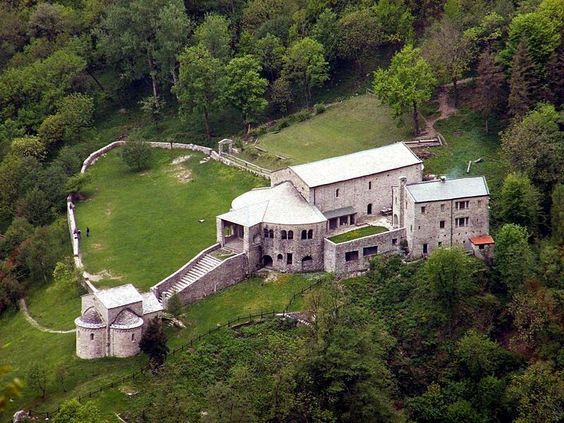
(137, 155)
(302, 115)
(28, 147)
(319, 108)
(282, 123)
(174, 305)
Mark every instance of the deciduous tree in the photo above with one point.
(37, 378)
(72, 411)
(519, 202)
(488, 95)
(524, 83)
(513, 256)
(153, 343)
(406, 83)
(213, 33)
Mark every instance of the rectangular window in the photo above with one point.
(344, 220)
(351, 256)
(369, 185)
(461, 222)
(479, 203)
(337, 192)
(423, 210)
(424, 248)
(442, 207)
(333, 223)
(289, 258)
(370, 251)
(352, 219)
(461, 205)
(394, 241)
(442, 224)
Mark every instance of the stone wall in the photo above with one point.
(288, 174)
(90, 348)
(424, 228)
(358, 193)
(335, 254)
(170, 280)
(229, 272)
(125, 342)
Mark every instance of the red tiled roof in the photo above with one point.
(482, 240)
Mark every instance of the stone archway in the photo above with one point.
(267, 261)
(307, 263)
(225, 146)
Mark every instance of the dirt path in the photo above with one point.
(35, 324)
(446, 110)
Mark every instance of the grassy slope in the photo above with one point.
(467, 141)
(143, 227)
(358, 233)
(21, 344)
(355, 124)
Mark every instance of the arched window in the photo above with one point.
(304, 234)
(265, 233)
(283, 234)
(369, 209)
(310, 234)
(280, 257)
(290, 234)
(271, 233)
(92, 337)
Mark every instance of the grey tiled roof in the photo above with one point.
(450, 189)
(126, 319)
(356, 165)
(150, 303)
(330, 214)
(118, 296)
(281, 204)
(90, 319)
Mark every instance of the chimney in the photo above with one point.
(402, 184)
(443, 178)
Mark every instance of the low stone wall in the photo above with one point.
(335, 254)
(229, 272)
(170, 280)
(92, 158)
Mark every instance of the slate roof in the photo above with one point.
(118, 296)
(450, 189)
(126, 319)
(344, 211)
(150, 303)
(281, 204)
(356, 165)
(90, 319)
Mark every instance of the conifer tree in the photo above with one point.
(153, 343)
(488, 94)
(523, 83)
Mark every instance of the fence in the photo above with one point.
(237, 321)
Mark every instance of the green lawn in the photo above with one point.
(358, 233)
(466, 141)
(21, 344)
(145, 226)
(355, 124)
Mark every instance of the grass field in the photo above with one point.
(358, 233)
(145, 226)
(467, 141)
(355, 124)
(21, 344)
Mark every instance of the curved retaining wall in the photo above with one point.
(92, 158)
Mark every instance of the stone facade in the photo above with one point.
(112, 322)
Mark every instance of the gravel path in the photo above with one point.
(33, 322)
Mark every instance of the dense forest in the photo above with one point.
(449, 339)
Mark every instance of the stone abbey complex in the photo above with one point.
(332, 215)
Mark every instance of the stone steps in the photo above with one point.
(201, 268)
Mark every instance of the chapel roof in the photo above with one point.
(150, 303)
(449, 189)
(126, 319)
(356, 165)
(90, 319)
(118, 296)
(280, 204)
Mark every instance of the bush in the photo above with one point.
(75, 183)
(319, 108)
(137, 155)
(282, 123)
(28, 147)
(174, 305)
(302, 115)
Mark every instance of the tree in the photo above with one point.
(52, 130)
(76, 112)
(395, 21)
(245, 88)
(305, 65)
(37, 378)
(72, 411)
(513, 257)
(557, 214)
(326, 32)
(213, 33)
(153, 108)
(477, 355)
(281, 95)
(200, 83)
(35, 207)
(61, 374)
(46, 21)
(524, 85)
(519, 202)
(406, 83)
(153, 343)
(359, 33)
(539, 394)
(534, 146)
(489, 93)
(270, 51)
(143, 37)
(449, 274)
(28, 147)
(137, 155)
(448, 52)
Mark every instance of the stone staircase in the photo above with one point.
(203, 266)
